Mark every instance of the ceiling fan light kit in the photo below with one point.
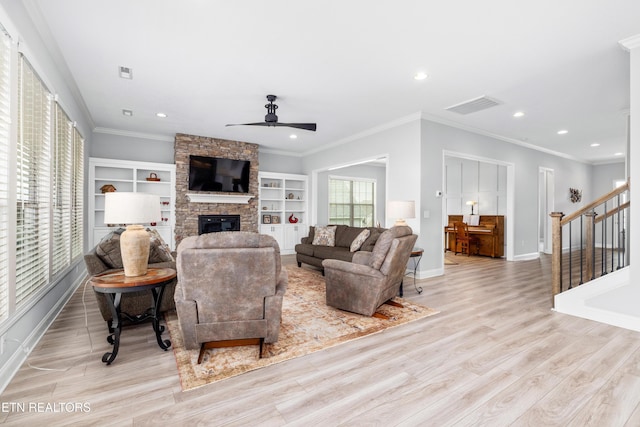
(271, 119)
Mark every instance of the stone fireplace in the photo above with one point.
(192, 204)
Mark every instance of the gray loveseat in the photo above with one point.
(308, 253)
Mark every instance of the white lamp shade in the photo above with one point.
(401, 209)
(131, 208)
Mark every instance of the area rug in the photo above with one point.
(308, 325)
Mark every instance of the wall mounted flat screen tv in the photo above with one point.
(217, 174)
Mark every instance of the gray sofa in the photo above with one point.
(308, 253)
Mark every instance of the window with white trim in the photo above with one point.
(77, 195)
(352, 201)
(61, 194)
(33, 183)
(5, 124)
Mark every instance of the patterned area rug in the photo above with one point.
(308, 325)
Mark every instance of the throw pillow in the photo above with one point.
(325, 236)
(158, 250)
(108, 249)
(359, 240)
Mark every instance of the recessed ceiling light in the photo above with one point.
(420, 76)
(161, 115)
(595, 144)
(518, 114)
(619, 154)
(563, 132)
(125, 72)
(293, 136)
(126, 112)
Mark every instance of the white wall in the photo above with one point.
(399, 144)
(474, 180)
(130, 146)
(437, 138)
(271, 162)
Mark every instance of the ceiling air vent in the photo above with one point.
(473, 105)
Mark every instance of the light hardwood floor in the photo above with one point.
(496, 355)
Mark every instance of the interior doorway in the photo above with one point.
(546, 190)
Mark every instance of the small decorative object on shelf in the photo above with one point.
(293, 219)
(266, 219)
(275, 219)
(290, 196)
(107, 188)
(153, 177)
(575, 195)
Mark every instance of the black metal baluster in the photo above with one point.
(604, 242)
(570, 258)
(619, 234)
(593, 245)
(581, 249)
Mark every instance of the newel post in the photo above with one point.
(556, 252)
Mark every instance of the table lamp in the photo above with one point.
(401, 209)
(133, 209)
(472, 203)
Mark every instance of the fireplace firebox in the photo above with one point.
(216, 223)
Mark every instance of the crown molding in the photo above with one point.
(131, 134)
(501, 137)
(630, 42)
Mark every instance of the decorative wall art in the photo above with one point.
(575, 195)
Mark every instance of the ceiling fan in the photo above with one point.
(272, 120)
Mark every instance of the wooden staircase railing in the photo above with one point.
(608, 215)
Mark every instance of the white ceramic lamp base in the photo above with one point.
(134, 247)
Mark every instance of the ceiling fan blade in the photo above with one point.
(304, 126)
(251, 124)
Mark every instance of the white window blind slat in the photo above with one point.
(62, 180)
(5, 121)
(77, 195)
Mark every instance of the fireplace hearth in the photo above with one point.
(217, 223)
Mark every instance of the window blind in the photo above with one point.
(61, 195)
(77, 195)
(33, 183)
(5, 123)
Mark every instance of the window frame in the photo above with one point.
(351, 205)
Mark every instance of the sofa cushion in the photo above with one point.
(383, 244)
(359, 240)
(325, 236)
(158, 250)
(108, 249)
(345, 235)
(326, 252)
(305, 249)
(372, 239)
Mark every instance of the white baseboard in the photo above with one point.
(527, 257)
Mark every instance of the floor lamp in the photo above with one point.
(133, 209)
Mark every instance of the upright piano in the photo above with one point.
(490, 232)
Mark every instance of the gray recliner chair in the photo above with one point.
(229, 291)
(372, 278)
